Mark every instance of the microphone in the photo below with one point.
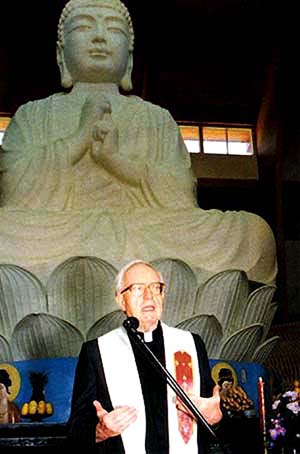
(131, 324)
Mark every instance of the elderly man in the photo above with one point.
(120, 402)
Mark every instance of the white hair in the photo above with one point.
(119, 281)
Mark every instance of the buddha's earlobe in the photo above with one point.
(126, 82)
(65, 76)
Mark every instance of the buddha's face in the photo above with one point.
(96, 44)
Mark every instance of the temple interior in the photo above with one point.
(209, 63)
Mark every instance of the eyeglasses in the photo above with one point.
(155, 288)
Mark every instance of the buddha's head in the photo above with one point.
(95, 43)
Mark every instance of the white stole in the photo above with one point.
(125, 388)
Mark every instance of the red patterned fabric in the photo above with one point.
(184, 377)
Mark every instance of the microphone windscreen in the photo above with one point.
(131, 323)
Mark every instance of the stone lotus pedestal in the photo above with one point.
(77, 303)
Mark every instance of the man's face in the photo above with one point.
(146, 307)
(96, 44)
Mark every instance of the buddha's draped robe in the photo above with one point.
(141, 203)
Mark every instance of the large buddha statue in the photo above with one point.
(91, 172)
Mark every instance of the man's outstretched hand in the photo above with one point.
(209, 407)
(113, 423)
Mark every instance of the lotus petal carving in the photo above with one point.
(45, 336)
(209, 329)
(258, 305)
(241, 345)
(181, 289)
(107, 323)
(5, 351)
(78, 303)
(20, 294)
(81, 290)
(262, 352)
(221, 296)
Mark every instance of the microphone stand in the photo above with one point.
(130, 324)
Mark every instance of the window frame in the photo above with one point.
(228, 128)
(5, 119)
(223, 166)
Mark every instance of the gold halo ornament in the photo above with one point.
(15, 377)
(216, 369)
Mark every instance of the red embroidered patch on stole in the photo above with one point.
(184, 377)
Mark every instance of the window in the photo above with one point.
(4, 122)
(224, 140)
(221, 151)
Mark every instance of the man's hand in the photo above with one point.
(209, 407)
(113, 423)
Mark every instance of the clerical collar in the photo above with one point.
(151, 336)
(148, 336)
